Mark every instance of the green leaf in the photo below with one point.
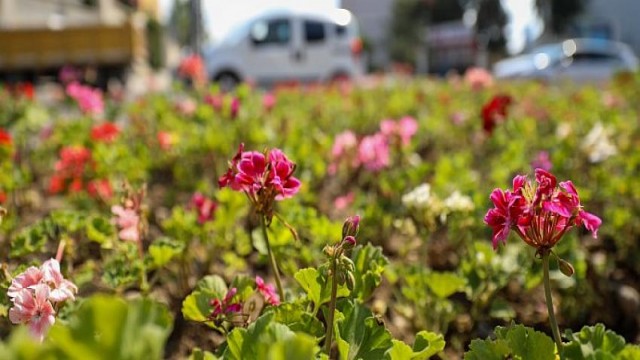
(316, 286)
(425, 345)
(301, 346)
(517, 341)
(445, 284)
(100, 230)
(256, 340)
(297, 319)
(593, 342)
(163, 250)
(195, 306)
(107, 327)
(359, 334)
(630, 352)
(369, 264)
(199, 354)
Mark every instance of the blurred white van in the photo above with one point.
(288, 45)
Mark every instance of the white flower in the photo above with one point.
(597, 145)
(419, 197)
(458, 202)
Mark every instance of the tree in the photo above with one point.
(410, 17)
(557, 14)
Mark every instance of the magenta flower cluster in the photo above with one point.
(268, 291)
(373, 152)
(34, 294)
(204, 207)
(264, 177)
(89, 100)
(225, 306)
(540, 213)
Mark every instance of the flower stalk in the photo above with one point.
(332, 306)
(549, 300)
(272, 258)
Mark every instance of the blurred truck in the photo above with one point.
(37, 41)
(28, 53)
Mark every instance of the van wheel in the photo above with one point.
(227, 80)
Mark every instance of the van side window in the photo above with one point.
(274, 31)
(341, 30)
(314, 31)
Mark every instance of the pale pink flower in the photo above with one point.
(268, 291)
(268, 101)
(32, 307)
(404, 129)
(187, 106)
(29, 278)
(342, 202)
(344, 142)
(478, 78)
(542, 161)
(373, 152)
(62, 289)
(89, 100)
(128, 221)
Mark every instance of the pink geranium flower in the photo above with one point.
(404, 129)
(542, 161)
(268, 101)
(27, 279)
(204, 206)
(373, 152)
(61, 289)
(225, 306)
(32, 307)
(264, 177)
(268, 291)
(89, 100)
(34, 293)
(129, 223)
(540, 213)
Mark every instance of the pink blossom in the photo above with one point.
(343, 143)
(542, 161)
(268, 291)
(187, 106)
(342, 202)
(258, 175)
(33, 307)
(204, 206)
(404, 129)
(62, 289)
(89, 100)
(373, 152)
(129, 223)
(216, 101)
(539, 213)
(268, 101)
(30, 277)
(225, 306)
(478, 78)
(166, 140)
(234, 108)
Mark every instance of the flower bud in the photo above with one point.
(351, 226)
(348, 242)
(566, 267)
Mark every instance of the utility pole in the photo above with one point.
(196, 26)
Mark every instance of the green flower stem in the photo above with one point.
(549, 300)
(332, 305)
(272, 259)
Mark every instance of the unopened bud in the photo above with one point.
(351, 226)
(566, 267)
(348, 242)
(351, 280)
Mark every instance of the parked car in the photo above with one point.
(288, 45)
(573, 59)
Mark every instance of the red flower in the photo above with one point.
(5, 138)
(107, 132)
(225, 306)
(70, 168)
(495, 111)
(100, 189)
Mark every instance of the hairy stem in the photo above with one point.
(549, 300)
(332, 306)
(272, 259)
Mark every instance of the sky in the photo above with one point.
(221, 15)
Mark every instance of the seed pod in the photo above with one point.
(566, 267)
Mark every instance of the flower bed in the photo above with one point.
(204, 224)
